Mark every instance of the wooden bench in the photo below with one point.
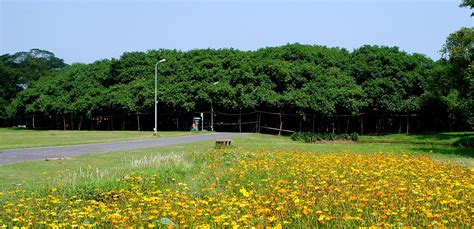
(223, 142)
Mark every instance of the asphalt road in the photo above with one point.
(19, 155)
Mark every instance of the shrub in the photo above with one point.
(309, 137)
(354, 136)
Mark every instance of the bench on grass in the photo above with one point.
(223, 142)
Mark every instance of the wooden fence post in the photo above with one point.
(281, 124)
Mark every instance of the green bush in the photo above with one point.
(355, 136)
(316, 137)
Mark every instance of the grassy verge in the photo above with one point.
(116, 164)
(262, 180)
(19, 138)
(448, 138)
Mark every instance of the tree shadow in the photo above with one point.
(467, 141)
(447, 150)
(444, 136)
(461, 139)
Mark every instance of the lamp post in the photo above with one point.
(156, 96)
(212, 111)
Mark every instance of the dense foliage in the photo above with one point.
(18, 71)
(310, 137)
(292, 78)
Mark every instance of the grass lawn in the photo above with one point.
(261, 180)
(446, 138)
(19, 138)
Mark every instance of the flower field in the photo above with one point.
(265, 188)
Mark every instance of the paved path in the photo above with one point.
(12, 156)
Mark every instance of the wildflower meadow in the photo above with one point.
(260, 188)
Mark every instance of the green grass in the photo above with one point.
(448, 138)
(19, 138)
(181, 163)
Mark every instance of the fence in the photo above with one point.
(253, 121)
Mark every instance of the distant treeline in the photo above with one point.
(294, 78)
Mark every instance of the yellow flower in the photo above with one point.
(244, 192)
(321, 218)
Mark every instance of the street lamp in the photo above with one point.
(212, 111)
(156, 96)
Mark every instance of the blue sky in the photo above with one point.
(87, 30)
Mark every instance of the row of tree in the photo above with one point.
(294, 78)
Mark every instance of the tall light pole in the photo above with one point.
(212, 111)
(156, 96)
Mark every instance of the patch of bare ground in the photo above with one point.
(336, 142)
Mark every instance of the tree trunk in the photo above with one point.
(333, 125)
(400, 125)
(314, 120)
(138, 121)
(301, 123)
(408, 123)
(256, 123)
(240, 120)
(259, 121)
(376, 124)
(80, 122)
(347, 124)
(361, 124)
(64, 123)
(177, 122)
(34, 122)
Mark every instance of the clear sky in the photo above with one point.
(88, 30)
